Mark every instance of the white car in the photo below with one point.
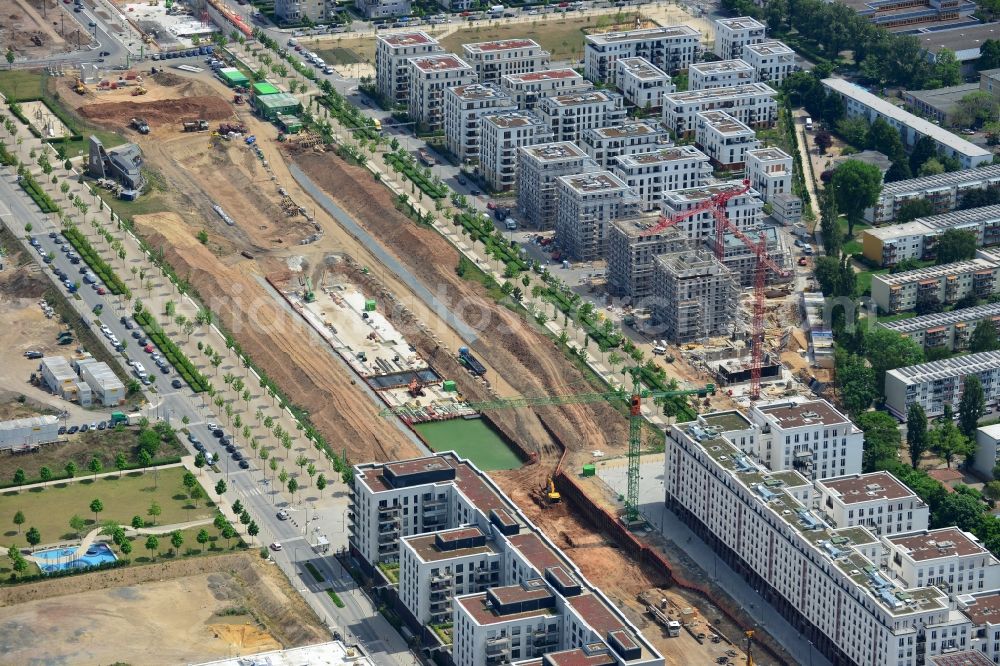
(275, 546)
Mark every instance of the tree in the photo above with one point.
(916, 433)
(833, 237)
(989, 51)
(220, 488)
(823, 140)
(887, 350)
(154, 511)
(992, 490)
(197, 494)
(95, 466)
(19, 476)
(947, 69)
(885, 138)
(96, 506)
(984, 338)
(33, 537)
(177, 540)
(19, 520)
(190, 481)
(975, 109)
(956, 245)
(947, 441)
(856, 186)
(228, 533)
(152, 543)
(924, 149)
(321, 483)
(70, 469)
(252, 530)
(961, 509)
(125, 547)
(931, 167)
(913, 209)
(237, 507)
(77, 524)
(972, 406)
(881, 440)
(121, 463)
(293, 485)
(856, 381)
(10, 58)
(202, 537)
(138, 523)
(45, 473)
(245, 517)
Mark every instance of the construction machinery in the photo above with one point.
(632, 398)
(79, 88)
(238, 98)
(551, 493)
(717, 205)
(226, 129)
(139, 125)
(195, 125)
(749, 636)
(138, 90)
(309, 296)
(472, 363)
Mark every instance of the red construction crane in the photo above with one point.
(717, 204)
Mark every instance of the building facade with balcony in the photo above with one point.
(948, 330)
(733, 34)
(943, 284)
(752, 104)
(935, 384)
(632, 248)
(392, 66)
(744, 210)
(917, 239)
(373, 9)
(588, 204)
(529, 89)
(502, 135)
(464, 106)
(539, 167)
(507, 57)
(606, 145)
(430, 77)
(661, 170)
(720, 74)
(642, 83)
(772, 61)
(569, 116)
(877, 501)
(742, 260)
(671, 48)
(694, 296)
(769, 171)
(724, 139)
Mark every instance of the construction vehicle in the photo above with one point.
(551, 493)
(195, 125)
(309, 296)
(79, 88)
(472, 363)
(139, 125)
(139, 90)
(632, 398)
(226, 129)
(749, 634)
(237, 98)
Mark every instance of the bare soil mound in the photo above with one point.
(160, 112)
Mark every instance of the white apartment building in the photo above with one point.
(720, 74)
(464, 106)
(744, 211)
(671, 48)
(859, 103)
(917, 239)
(935, 384)
(588, 203)
(606, 145)
(946, 283)
(987, 449)
(642, 83)
(294, 11)
(742, 261)
(430, 77)
(507, 57)
(632, 247)
(951, 330)
(732, 34)
(539, 166)
(454, 541)
(772, 61)
(769, 171)
(528, 89)
(373, 9)
(944, 191)
(570, 115)
(652, 173)
(694, 296)
(809, 436)
(752, 104)
(724, 139)
(502, 135)
(877, 501)
(949, 558)
(392, 62)
(825, 581)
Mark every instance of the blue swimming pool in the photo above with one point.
(98, 553)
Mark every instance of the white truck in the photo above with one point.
(496, 10)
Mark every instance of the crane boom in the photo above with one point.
(714, 203)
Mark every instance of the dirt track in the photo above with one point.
(157, 113)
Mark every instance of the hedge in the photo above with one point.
(63, 573)
(414, 173)
(37, 194)
(175, 356)
(100, 267)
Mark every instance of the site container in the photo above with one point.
(449, 385)
(369, 305)
(589, 470)
(264, 88)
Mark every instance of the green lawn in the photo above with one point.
(865, 280)
(216, 544)
(50, 509)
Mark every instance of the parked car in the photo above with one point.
(177, 383)
(72, 430)
(218, 433)
(32, 354)
(275, 546)
(84, 428)
(244, 464)
(283, 515)
(148, 348)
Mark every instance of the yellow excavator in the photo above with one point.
(79, 88)
(552, 493)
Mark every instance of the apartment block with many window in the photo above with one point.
(507, 57)
(744, 210)
(877, 501)
(742, 260)
(917, 239)
(606, 145)
(942, 284)
(529, 89)
(588, 204)
(720, 74)
(944, 191)
(694, 296)
(642, 83)
(752, 104)
(733, 34)
(502, 135)
(724, 139)
(539, 167)
(948, 558)
(772, 61)
(295, 11)
(935, 384)
(373, 9)
(392, 67)
(464, 106)
(661, 170)
(769, 171)
(671, 48)
(570, 115)
(430, 77)
(631, 249)
(949, 330)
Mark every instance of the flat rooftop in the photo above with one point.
(500, 45)
(579, 657)
(811, 413)
(480, 91)
(577, 99)
(769, 48)
(476, 606)
(439, 63)
(333, 653)
(547, 75)
(553, 152)
(403, 39)
(740, 23)
(875, 486)
(727, 421)
(769, 154)
(642, 69)
(723, 66)
(959, 39)
(948, 368)
(591, 183)
(698, 194)
(944, 319)
(716, 94)
(426, 545)
(535, 551)
(632, 128)
(964, 658)
(660, 155)
(934, 544)
(595, 613)
(514, 119)
(937, 272)
(663, 32)
(985, 609)
(725, 123)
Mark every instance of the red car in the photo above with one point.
(148, 349)
(101, 291)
